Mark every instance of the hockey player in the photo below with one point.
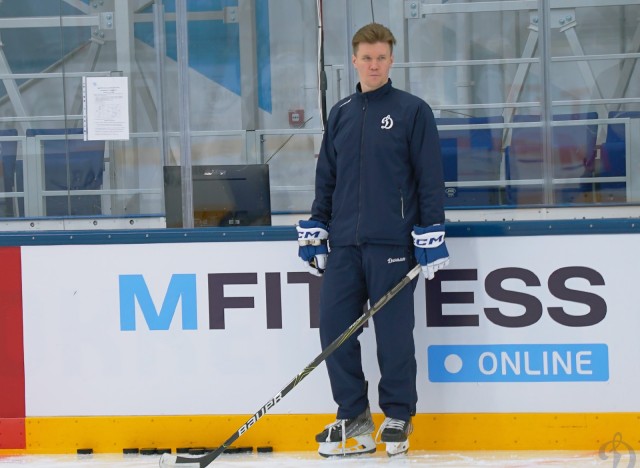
(379, 183)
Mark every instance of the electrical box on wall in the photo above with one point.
(296, 118)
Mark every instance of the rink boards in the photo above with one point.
(527, 341)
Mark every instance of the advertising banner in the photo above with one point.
(514, 324)
(12, 402)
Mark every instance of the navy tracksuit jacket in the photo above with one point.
(379, 173)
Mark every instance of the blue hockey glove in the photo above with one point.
(430, 249)
(312, 245)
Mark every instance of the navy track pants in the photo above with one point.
(354, 275)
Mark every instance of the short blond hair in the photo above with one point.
(372, 33)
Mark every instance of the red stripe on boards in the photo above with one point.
(12, 400)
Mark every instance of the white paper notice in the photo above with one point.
(106, 108)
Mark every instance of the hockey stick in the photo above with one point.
(168, 460)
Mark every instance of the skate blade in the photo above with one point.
(358, 445)
(395, 449)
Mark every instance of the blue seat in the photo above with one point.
(8, 153)
(471, 155)
(71, 164)
(613, 161)
(573, 147)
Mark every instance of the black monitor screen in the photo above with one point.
(223, 195)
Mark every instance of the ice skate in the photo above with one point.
(346, 437)
(394, 433)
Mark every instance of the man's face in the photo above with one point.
(373, 62)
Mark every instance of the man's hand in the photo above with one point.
(312, 245)
(430, 249)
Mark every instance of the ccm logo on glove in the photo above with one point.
(429, 240)
(430, 249)
(312, 245)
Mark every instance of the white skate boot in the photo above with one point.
(346, 437)
(395, 434)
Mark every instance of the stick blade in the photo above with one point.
(170, 461)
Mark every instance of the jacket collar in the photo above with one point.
(376, 93)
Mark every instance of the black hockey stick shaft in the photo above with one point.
(168, 460)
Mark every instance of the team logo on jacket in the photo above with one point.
(387, 123)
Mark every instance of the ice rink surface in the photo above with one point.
(503, 459)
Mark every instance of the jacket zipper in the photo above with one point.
(364, 115)
(401, 203)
